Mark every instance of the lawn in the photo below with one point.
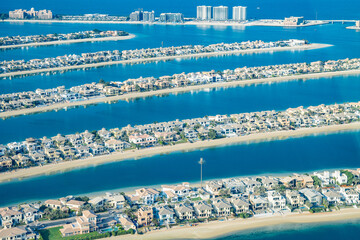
(51, 234)
(54, 234)
(196, 199)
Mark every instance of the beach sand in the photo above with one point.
(221, 228)
(147, 152)
(92, 65)
(118, 38)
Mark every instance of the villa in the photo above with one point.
(85, 224)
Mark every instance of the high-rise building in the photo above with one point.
(148, 16)
(44, 14)
(239, 13)
(203, 12)
(171, 17)
(136, 16)
(220, 13)
(17, 14)
(21, 14)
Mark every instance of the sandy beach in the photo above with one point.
(118, 38)
(130, 96)
(218, 229)
(92, 65)
(136, 154)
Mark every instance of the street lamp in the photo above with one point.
(201, 162)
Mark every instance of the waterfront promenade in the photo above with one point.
(147, 152)
(137, 56)
(216, 229)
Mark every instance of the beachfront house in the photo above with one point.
(350, 195)
(145, 215)
(294, 199)
(270, 183)
(54, 204)
(333, 197)
(222, 207)
(97, 149)
(240, 205)
(21, 160)
(75, 205)
(276, 200)
(203, 209)
(251, 185)
(176, 192)
(116, 201)
(235, 185)
(258, 203)
(105, 134)
(214, 187)
(148, 196)
(297, 181)
(5, 162)
(324, 177)
(143, 140)
(116, 145)
(184, 211)
(31, 214)
(312, 196)
(10, 217)
(97, 202)
(339, 177)
(166, 215)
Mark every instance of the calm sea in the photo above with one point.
(322, 9)
(286, 156)
(291, 155)
(314, 231)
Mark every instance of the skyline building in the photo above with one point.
(149, 16)
(136, 16)
(203, 12)
(22, 14)
(239, 13)
(220, 13)
(171, 17)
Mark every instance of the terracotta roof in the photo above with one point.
(11, 232)
(88, 214)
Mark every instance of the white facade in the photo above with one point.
(324, 177)
(276, 200)
(341, 178)
(239, 13)
(203, 12)
(220, 13)
(149, 16)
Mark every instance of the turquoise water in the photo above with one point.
(324, 9)
(346, 44)
(315, 231)
(292, 155)
(286, 156)
(278, 96)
